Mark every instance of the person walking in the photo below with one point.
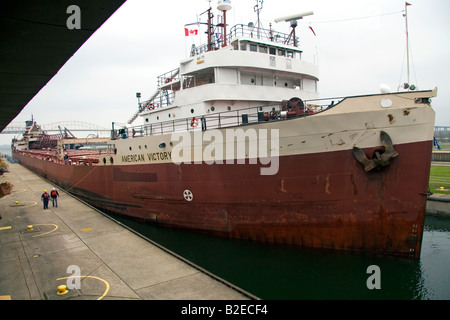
(45, 197)
(54, 194)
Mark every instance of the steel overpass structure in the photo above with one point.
(36, 40)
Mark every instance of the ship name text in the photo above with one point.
(153, 156)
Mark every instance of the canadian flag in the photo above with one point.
(190, 32)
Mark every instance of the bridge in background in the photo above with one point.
(19, 128)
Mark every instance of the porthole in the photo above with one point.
(192, 110)
(104, 160)
(212, 108)
(111, 160)
(130, 148)
(146, 119)
(228, 108)
(145, 146)
(140, 148)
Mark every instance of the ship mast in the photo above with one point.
(407, 39)
(407, 85)
(257, 9)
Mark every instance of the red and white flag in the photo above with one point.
(190, 32)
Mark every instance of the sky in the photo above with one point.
(358, 44)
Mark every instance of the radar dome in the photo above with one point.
(224, 5)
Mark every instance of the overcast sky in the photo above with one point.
(359, 44)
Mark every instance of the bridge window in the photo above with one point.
(253, 47)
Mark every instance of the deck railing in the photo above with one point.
(212, 121)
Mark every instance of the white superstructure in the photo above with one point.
(257, 69)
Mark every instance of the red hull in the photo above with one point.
(323, 200)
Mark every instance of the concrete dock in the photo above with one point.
(93, 255)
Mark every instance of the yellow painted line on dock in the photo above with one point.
(6, 228)
(5, 297)
(38, 235)
(85, 229)
(92, 277)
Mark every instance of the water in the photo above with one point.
(5, 149)
(288, 273)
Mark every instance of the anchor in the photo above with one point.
(380, 160)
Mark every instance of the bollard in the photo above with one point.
(30, 228)
(62, 289)
(17, 203)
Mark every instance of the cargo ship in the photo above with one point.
(237, 142)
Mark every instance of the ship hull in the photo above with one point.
(315, 200)
(320, 194)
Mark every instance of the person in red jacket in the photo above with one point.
(54, 194)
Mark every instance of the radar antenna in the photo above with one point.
(293, 20)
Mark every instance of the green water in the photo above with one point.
(287, 273)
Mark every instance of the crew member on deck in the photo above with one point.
(54, 194)
(44, 198)
(66, 158)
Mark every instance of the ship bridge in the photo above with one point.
(36, 42)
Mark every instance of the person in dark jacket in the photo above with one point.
(54, 194)
(45, 197)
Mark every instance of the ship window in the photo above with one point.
(281, 52)
(243, 46)
(192, 111)
(272, 50)
(146, 119)
(253, 47)
(130, 148)
(263, 49)
(212, 108)
(104, 160)
(145, 146)
(290, 54)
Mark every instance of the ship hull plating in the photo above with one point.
(319, 200)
